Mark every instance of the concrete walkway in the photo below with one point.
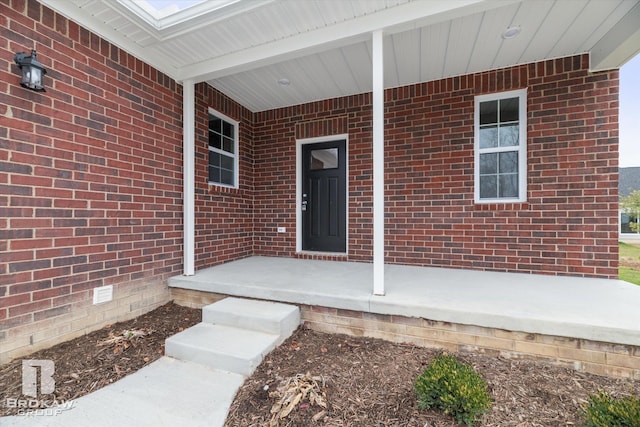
(594, 309)
(168, 392)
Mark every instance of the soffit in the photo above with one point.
(323, 47)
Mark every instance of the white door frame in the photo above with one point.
(299, 144)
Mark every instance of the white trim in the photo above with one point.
(235, 155)
(378, 163)
(521, 94)
(397, 19)
(188, 176)
(316, 140)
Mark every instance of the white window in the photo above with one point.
(223, 150)
(500, 147)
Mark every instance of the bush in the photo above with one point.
(602, 410)
(454, 388)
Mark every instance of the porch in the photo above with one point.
(588, 324)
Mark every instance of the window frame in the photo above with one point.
(521, 149)
(236, 144)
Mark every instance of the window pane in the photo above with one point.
(226, 162)
(508, 162)
(488, 187)
(215, 140)
(488, 163)
(226, 177)
(227, 145)
(509, 135)
(324, 159)
(488, 112)
(214, 174)
(509, 185)
(215, 124)
(489, 137)
(214, 159)
(509, 110)
(227, 129)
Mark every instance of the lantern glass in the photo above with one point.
(32, 71)
(36, 77)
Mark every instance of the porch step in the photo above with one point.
(221, 347)
(235, 334)
(263, 316)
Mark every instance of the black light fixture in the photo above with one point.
(32, 71)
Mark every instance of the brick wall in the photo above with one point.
(224, 216)
(567, 226)
(275, 138)
(90, 182)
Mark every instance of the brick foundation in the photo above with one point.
(80, 317)
(194, 299)
(601, 358)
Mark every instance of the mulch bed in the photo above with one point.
(362, 381)
(99, 358)
(369, 382)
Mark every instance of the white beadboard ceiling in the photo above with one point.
(323, 47)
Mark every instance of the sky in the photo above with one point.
(180, 4)
(630, 113)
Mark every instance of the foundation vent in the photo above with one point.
(102, 294)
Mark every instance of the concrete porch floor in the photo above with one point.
(585, 308)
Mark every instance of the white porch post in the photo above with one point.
(378, 164)
(188, 175)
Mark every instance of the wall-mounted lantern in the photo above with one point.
(32, 71)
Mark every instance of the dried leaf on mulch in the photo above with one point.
(125, 336)
(296, 390)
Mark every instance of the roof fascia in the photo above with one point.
(619, 45)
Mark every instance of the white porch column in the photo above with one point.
(378, 164)
(188, 175)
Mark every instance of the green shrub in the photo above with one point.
(454, 388)
(602, 410)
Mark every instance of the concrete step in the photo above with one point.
(222, 347)
(263, 316)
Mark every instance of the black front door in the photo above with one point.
(324, 186)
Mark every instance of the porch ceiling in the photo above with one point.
(323, 47)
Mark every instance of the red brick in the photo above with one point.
(428, 197)
(52, 170)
